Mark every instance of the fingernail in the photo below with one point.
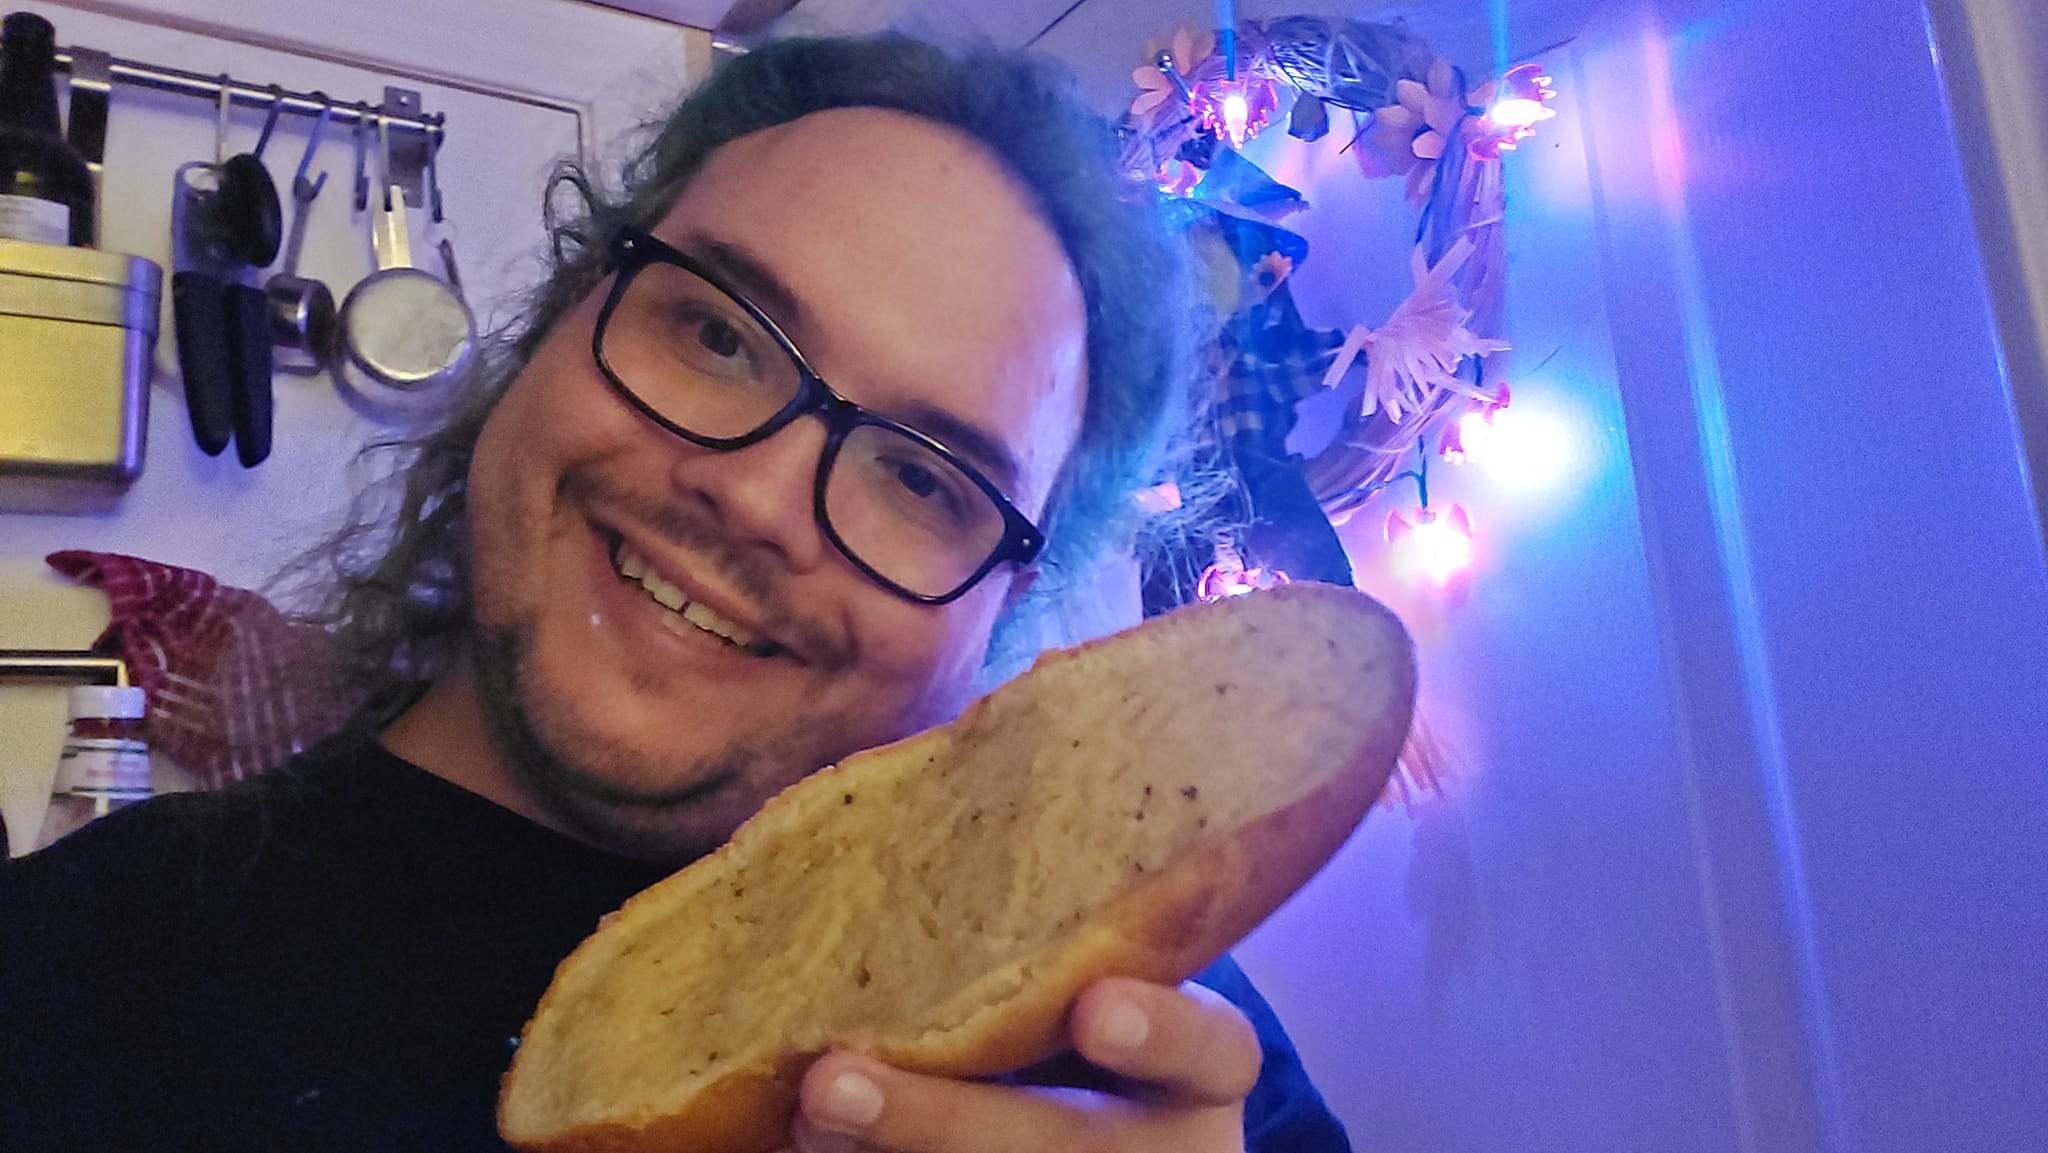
(851, 1102)
(1123, 1027)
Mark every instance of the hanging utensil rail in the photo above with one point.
(209, 88)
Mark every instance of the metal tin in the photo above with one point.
(77, 339)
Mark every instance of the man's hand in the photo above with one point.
(1178, 1063)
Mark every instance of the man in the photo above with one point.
(875, 349)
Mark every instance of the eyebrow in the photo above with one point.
(965, 438)
(747, 273)
(750, 275)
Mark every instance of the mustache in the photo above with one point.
(752, 575)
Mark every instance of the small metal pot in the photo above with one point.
(401, 328)
(302, 312)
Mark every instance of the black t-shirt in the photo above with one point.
(336, 955)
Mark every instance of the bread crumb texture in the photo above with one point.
(856, 907)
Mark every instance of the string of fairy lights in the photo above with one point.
(1435, 384)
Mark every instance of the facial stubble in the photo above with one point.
(574, 772)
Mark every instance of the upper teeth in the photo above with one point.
(633, 566)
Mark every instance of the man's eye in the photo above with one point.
(705, 340)
(927, 491)
(919, 480)
(720, 339)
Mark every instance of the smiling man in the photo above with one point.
(875, 350)
(704, 562)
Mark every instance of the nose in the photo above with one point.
(762, 495)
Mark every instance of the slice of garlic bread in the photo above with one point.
(1130, 807)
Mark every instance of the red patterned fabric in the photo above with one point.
(234, 686)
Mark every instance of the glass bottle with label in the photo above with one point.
(105, 763)
(46, 193)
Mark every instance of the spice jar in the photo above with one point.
(105, 762)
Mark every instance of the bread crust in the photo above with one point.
(747, 1110)
(1163, 928)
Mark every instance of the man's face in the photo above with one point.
(922, 283)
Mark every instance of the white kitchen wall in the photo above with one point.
(522, 82)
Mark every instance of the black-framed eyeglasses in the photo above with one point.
(701, 360)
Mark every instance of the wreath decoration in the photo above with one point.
(1433, 375)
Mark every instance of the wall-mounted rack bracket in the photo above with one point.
(64, 665)
(411, 152)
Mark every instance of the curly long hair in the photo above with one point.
(393, 584)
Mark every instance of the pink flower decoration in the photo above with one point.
(1408, 137)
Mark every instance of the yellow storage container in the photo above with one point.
(77, 340)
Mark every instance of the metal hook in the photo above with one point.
(385, 173)
(362, 156)
(434, 142)
(300, 188)
(447, 247)
(225, 101)
(270, 121)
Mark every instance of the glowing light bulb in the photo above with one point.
(1439, 545)
(1526, 450)
(1444, 545)
(1237, 116)
(1235, 110)
(1517, 112)
(1521, 103)
(1476, 435)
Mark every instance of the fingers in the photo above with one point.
(1187, 1056)
(854, 1102)
(1188, 1044)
